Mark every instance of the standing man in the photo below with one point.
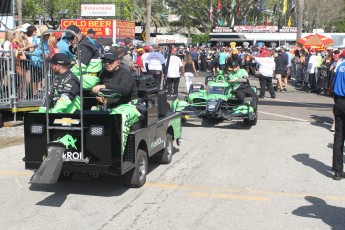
(91, 35)
(63, 97)
(91, 64)
(174, 72)
(280, 71)
(121, 81)
(339, 117)
(155, 64)
(147, 50)
(266, 72)
(195, 57)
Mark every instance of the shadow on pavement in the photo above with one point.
(320, 167)
(223, 124)
(321, 121)
(331, 215)
(104, 185)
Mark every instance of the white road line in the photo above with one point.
(277, 115)
(301, 103)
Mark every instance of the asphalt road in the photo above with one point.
(275, 175)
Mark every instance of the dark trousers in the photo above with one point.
(196, 64)
(246, 92)
(266, 83)
(203, 65)
(173, 84)
(158, 77)
(339, 136)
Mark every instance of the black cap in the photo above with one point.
(74, 28)
(60, 59)
(234, 64)
(91, 31)
(279, 51)
(111, 55)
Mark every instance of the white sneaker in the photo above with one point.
(332, 129)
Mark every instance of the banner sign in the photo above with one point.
(170, 39)
(125, 29)
(98, 10)
(256, 29)
(287, 29)
(220, 29)
(103, 28)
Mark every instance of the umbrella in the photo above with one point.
(315, 41)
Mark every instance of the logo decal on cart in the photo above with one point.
(66, 121)
(156, 143)
(68, 140)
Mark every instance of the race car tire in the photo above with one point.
(254, 102)
(136, 177)
(166, 156)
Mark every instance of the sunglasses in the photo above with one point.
(109, 62)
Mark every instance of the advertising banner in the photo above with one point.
(98, 10)
(125, 29)
(255, 29)
(103, 28)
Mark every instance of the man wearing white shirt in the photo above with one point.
(155, 64)
(267, 68)
(174, 72)
(147, 50)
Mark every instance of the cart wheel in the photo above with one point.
(137, 176)
(168, 151)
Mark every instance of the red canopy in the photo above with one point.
(315, 41)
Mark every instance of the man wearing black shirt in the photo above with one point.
(281, 65)
(122, 82)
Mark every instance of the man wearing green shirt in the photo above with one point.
(239, 82)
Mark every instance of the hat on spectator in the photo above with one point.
(57, 35)
(147, 48)
(91, 31)
(60, 59)
(74, 28)
(343, 53)
(312, 51)
(280, 51)
(140, 50)
(235, 51)
(42, 29)
(111, 55)
(106, 48)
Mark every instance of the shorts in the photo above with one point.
(215, 65)
(280, 75)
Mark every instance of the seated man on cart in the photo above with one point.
(239, 81)
(122, 82)
(63, 96)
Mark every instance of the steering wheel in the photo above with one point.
(220, 78)
(108, 93)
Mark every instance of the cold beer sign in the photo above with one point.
(103, 28)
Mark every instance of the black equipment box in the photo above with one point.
(145, 82)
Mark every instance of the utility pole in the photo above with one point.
(300, 18)
(19, 10)
(148, 20)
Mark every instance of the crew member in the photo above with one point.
(239, 80)
(64, 94)
(121, 81)
(155, 64)
(339, 117)
(91, 64)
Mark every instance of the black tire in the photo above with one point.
(166, 156)
(137, 176)
(253, 101)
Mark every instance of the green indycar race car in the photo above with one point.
(217, 102)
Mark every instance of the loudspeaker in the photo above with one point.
(5, 7)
